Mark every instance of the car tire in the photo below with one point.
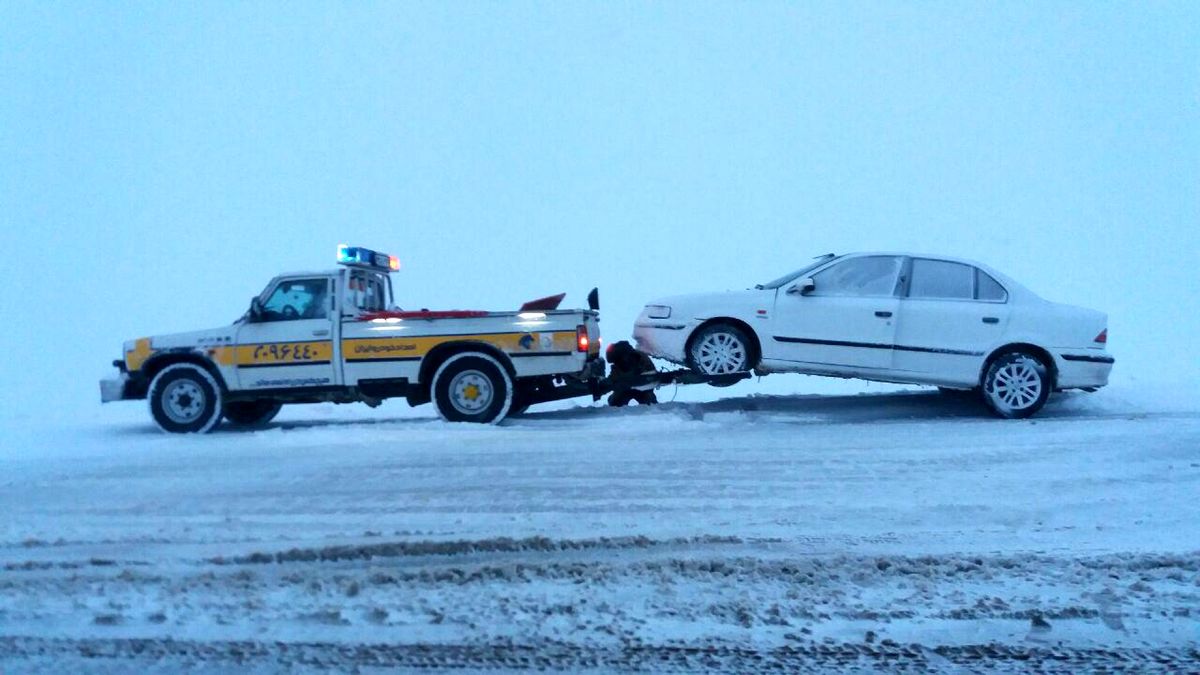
(1016, 385)
(249, 414)
(185, 399)
(720, 349)
(472, 387)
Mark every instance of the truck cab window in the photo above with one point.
(367, 292)
(296, 299)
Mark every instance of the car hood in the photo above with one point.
(720, 303)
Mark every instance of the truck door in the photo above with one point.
(289, 344)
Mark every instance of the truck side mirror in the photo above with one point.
(802, 287)
(256, 309)
(593, 299)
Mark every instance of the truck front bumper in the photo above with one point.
(114, 388)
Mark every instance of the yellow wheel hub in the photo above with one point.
(471, 392)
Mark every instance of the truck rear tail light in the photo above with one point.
(582, 342)
(1102, 338)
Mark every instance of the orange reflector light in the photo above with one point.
(394, 263)
(581, 339)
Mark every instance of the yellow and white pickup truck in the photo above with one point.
(336, 336)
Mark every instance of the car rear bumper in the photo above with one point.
(1083, 369)
(663, 340)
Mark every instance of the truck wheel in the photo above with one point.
(472, 387)
(252, 413)
(185, 398)
(1016, 385)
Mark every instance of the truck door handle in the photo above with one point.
(321, 332)
(883, 315)
(991, 319)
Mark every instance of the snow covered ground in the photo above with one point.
(886, 531)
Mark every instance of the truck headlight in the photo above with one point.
(658, 311)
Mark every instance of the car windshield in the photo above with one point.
(820, 260)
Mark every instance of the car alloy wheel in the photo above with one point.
(1017, 385)
(720, 350)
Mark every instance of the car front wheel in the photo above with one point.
(720, 349)
(1016, 385)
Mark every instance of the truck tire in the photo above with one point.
(249, 414)
(185, 399)
(472, 387)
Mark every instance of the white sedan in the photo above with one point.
(890, 317)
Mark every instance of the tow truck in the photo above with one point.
(337, 336)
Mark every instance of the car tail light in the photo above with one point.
(1102, 338)
(582, 342)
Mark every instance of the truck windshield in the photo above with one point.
(788, 278)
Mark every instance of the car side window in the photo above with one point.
(866, 276)
(942, 280)
(296, 299)
(987, 288)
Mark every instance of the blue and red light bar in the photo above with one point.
(357, 256)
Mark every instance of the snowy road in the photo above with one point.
(890, 530)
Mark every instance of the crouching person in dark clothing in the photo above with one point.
(626, 363)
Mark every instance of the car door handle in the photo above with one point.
(991, 319)
(883, 315)
(321, 332)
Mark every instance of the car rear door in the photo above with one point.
(291, 344)
(950, 315)
(847, 320)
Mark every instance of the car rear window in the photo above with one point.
(942, 279)
(989, 289)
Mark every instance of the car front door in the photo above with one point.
(289, 344)
(952, 313)
(846, 320)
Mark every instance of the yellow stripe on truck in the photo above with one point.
(283, 353)
(138, 355)
(367, 349)
(378, 349)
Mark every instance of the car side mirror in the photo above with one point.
(802, 287)
(256, 309)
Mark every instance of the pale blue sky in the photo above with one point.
(161, 161)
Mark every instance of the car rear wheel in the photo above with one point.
(1016, 385)
(720, 349)
(252, 413)
(185, 398)
(472, 387)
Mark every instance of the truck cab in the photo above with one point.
(338, 336)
